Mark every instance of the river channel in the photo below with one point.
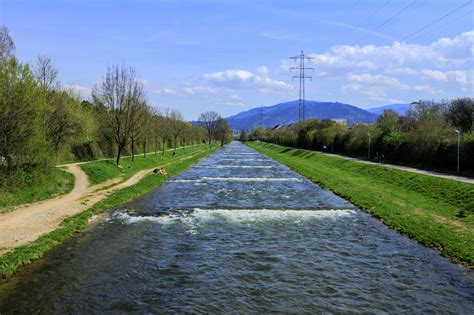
(239, 233)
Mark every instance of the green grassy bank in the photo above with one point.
(100, 171)
(23, 255)
(59, 182)
(55, 183)
(437, 212)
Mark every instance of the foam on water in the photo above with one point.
(253, 179)
(185, 181)
(235, 166)
(243, 153)
(237, 179)
(198, 216)
(245, 159)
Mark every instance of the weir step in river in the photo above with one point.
(240, 233)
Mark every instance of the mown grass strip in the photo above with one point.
(55, 183)
(101, 171)
(24, 255)
(437, 212)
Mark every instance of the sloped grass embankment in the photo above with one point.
(437, 212)
(23, 255)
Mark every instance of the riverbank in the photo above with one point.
(56, 183)
(147, 181)
(437, 212)
(59, 181)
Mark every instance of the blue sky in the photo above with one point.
(230, 56)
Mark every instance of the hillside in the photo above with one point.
(285, 113)
(401, 109)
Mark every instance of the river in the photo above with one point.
(239, 233)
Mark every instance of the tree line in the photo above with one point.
(426, 136)
(42, 123)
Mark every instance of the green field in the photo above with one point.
(23, 255)
(437, 212)
(55, 183)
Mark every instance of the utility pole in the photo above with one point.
(302, 77)
(261, 116)
(459, 150)
(368, 155)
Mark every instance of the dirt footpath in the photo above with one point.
(27, 223)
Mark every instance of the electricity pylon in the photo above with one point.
(302, 77)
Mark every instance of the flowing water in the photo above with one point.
(239, 233)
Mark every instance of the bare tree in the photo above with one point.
(46, 73)
(164, 127)
(146, 127)
(209, 121)
(223, 131)
(139, 128)
(155, 124)
(7, 46)
(177, 126)
(122, 94)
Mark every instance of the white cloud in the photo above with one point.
(235, 97)
(197, 89)
(81, 90)
(378, 79)
(235, 79)
(435, 75)
(262, 70)
(463, 78)
(427, 89)
(235, 104)
(229, 75)
(444, 53)
(375, 87)
(144, 82)
(165, 91)
(459, 47)
(401, 71)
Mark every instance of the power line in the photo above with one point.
(364, 20)
(436, 21)
(392, 18)
(302, 77)
(396, 15)
(367, 19)
(408, 12)
(455, 19)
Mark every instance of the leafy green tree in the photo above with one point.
(243, 136)
(461, 113)
(69, 123)
(387, 122)
(22, 132)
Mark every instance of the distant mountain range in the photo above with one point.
(286, 113)
(401, 109)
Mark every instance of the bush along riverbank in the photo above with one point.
(437, 212)
(24, 255)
